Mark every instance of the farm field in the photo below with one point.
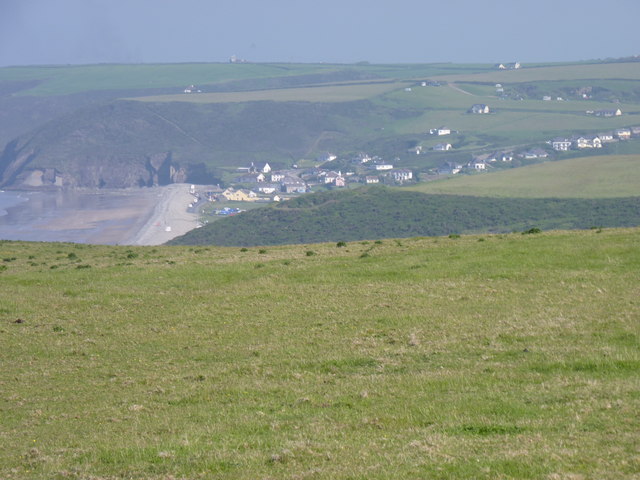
(64, 80)
(499, 356)
(336, 93)
(586, 177)
(629, 71)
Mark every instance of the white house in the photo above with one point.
(384, 166)
(561, 144)
(500, 156)
(332, 177)
(623, 133)
(588, 141)
(533, 154)
(370, 179)
(440, 131)
(608, 113)
(477, 164)
(327, 157)
(479, 108)
(402, 175)
(449, 168)
(606, 137)
(278, 176)
(261, 167)
(269, 188)
(442, 147)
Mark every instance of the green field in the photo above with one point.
(509, 356)
(64, 80)
(336, 93)
(587, 177)
(629, 71)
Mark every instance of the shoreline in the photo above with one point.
(170, 218)
(145, 216)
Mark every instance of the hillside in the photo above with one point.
(128, 143)
(585, 177)
(501, 356)
(380, 212)
(75, 125)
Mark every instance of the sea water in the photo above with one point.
(49, 216)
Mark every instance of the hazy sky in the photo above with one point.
(344, 31)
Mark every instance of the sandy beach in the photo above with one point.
(145, 216)
(170, 217)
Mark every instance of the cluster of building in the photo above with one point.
(260, 183)
(579, 142)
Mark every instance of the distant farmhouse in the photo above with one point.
(440, 131)
(508, 66)
(479, 108)
(402, 175)
(442, 147)
(560, 144)
(608, 113)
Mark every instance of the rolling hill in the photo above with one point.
(584, 177)
(66, 119)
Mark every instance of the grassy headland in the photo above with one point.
(506, 356)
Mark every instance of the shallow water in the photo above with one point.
(101, 217)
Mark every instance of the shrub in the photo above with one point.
(532, 231)
(341, 244)
(310, 253)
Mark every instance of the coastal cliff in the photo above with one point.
(112, 146)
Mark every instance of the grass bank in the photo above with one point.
(585, 177)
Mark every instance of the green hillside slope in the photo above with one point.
(512, 357)
(587, 177)
(379, 212)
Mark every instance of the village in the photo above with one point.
(258, 182)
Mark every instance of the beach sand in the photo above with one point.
(170, 217)
(145, 216)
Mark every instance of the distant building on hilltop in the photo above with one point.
(479, 108)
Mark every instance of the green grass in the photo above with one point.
(586, 177)
(629, 71)
(512, 123)
(336, 93)
(514, 357)
(63, 80)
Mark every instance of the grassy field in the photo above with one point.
(629, 71)
(509, 356)
(335, 93)
(587, 177)
(63, 80)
